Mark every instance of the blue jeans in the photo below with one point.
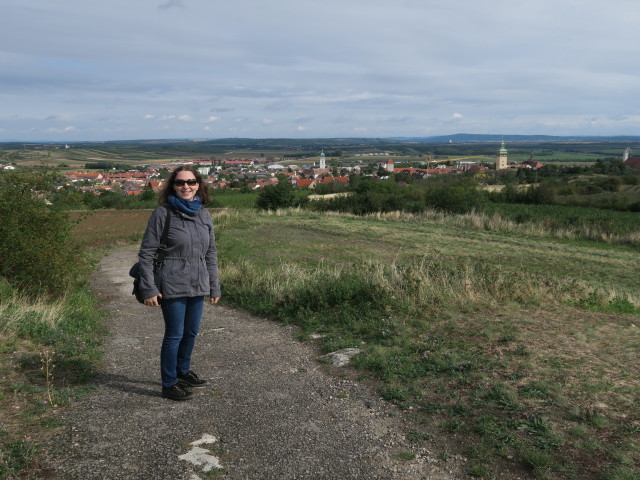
(181, 324)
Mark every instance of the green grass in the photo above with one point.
(521, 344)
(306, 238)
(48, 351)
(559, 216)
(234, 199)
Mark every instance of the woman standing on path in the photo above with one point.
(188, 274)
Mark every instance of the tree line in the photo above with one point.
(597, 186)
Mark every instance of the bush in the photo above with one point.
(277, 196)
(39, 255)
(455, 199)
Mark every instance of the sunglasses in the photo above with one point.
(191, 182)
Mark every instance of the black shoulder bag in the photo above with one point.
(158, 259)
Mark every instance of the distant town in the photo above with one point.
(256, 173)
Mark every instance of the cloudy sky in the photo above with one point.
(74, 70)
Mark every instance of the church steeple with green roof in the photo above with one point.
(501, 159)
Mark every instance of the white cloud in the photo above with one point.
(61, 130)
(405, 80)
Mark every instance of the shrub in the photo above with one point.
(277, 196)
(455, 199)
(39, 255)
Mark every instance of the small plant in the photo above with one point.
(591, 415)
(537, 461)
(405, 455)
(521, 350)
(504, 396)
(416, 436)
(215, 473)
(453, 426)
(622, 473)
(16, 457)
(46, 357)
(480, 471)
(591, 444)
(394, 394)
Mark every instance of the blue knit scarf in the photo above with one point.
(190, 207)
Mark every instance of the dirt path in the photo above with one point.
(270, 412)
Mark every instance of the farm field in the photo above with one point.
(76, 158)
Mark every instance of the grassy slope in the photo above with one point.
(539, 388)
(308, 238)
(516, 386)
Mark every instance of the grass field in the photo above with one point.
(76, 158)
(516, 360)
(519, 351)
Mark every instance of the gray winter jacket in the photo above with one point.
(190, 263)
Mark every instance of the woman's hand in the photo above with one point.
(153, 301)
(214, 300)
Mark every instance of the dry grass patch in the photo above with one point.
(603, 351)
(526, 389)
(104, 228)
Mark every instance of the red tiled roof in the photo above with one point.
(335, 179)
(634, 162)
(305, 182)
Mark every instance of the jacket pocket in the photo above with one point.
(176, 274)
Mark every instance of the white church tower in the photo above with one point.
(322, 160)
(501, 159)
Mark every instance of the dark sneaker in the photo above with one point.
(192, 380)
(176, 392)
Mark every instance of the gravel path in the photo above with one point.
(271, 411)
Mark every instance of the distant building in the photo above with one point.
(501, 159)
(633, 162)
(390, 166)
(322, 160)
(309, 183)
(532, 164)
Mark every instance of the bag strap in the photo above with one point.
(159, 258)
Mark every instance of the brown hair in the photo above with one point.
(167, 188)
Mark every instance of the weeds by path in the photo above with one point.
(48, 352)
